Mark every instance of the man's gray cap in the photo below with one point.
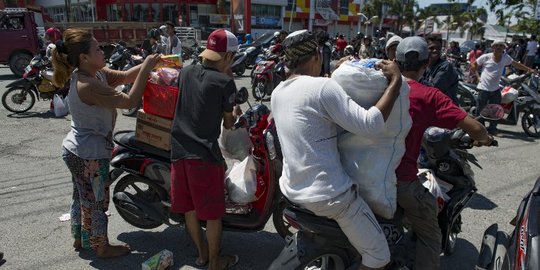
(394, 40)
(412, 44)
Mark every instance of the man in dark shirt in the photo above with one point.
(207, 95)
(440, 73)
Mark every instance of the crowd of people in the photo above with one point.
(308, 108)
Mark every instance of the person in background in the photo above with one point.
(473, 55)
(87, 148)
(532, 47)
(357, 42)
(307, 110)
(197, 168)
(440, 73)
(391, 46)
(326, 51)
(174, 46)
(453, 50)
(52, 35)
(341, 43)
(367, 50)
(154, 44)
(163, 31)
(249, 39)
(492, 65)
(428, 107)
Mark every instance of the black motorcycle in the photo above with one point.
(124, 58)
(519, 250)
(320, 243)
(36, 83)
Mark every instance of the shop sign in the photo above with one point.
(267, 21)
(219, 19)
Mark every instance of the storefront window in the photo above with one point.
(265, 16)
(126, 12)
(170, 13)
(155, 13)
(140, 12)
(113, 12)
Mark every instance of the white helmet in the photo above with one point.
(276, 34)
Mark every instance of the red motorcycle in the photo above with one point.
(141, 195)
(267, 74)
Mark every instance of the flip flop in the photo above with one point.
(198, 264)
(231, 261)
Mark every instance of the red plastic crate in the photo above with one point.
(160, 100)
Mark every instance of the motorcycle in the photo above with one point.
(142, 172)
(519, 250)
(36, 83)
(526, 103)
(319, 242)
(267, 74)
(239, 63)
(123, 59)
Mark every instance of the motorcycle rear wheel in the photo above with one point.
(530, 122)
(466, 100)
(325, 260)
(144, 190)
(241, 71)
(15, 100)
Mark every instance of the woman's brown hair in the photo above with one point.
(65, 57)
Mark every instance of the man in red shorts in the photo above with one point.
(207, 94)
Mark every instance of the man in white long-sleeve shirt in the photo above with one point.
(307, 111)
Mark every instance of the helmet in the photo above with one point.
(154, 33)
(53, 34)
(276, 34)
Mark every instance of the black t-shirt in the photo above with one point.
(205, 93)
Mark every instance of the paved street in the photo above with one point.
(35, 190)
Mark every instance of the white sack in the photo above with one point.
(60, 106)
(234, 144)
(371, 161)
(242, 181)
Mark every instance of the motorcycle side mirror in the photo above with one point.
(492, 112)
(241, 96)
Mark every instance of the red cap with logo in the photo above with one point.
(219, 42)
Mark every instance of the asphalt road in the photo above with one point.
(35, 190)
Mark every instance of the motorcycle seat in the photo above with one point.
(127, 139)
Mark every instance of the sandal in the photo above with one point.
(201, 264)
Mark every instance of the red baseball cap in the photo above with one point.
(219, 42)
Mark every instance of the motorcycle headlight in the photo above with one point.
(270, 145)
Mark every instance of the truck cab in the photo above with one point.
(19, 39)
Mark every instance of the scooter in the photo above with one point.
(267, 74)
(142, 172)
(520, 249)
(36, 83)
(319, 242)
(527, 102)
(239, 64)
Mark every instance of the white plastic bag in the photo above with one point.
(60, 106)
(436, 187)
(371, 161)
(234, 144)
(242, 181)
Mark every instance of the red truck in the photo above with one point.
(19, 40)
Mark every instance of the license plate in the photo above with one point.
(27, 69)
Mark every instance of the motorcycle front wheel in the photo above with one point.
(466, 100)
(530, 122)
(281, 224)
(18, 100)
(144, 190)
(259, 90)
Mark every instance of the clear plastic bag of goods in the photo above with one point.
(371, 161)
(168, 75)
(234, 144)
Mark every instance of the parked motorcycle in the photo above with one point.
(141, 195)
(526, 103)
(520, 249)
(320, 243)
(267, 74)
(239, 63)
(36, 83)
(123, 58)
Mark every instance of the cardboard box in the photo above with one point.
(153, 130)
(160, 261)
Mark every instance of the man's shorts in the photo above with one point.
(198, 185)
(358, 223)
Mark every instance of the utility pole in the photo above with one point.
(67, 5)
(311, 15)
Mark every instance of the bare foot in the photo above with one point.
(225, 262)
(202, 260)
(110, 251)
(77, 244)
